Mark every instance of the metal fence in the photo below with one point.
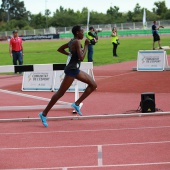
(108, 27)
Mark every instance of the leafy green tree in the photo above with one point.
(160, 9)
(167, 14)
(95, 18)
(150, 16)
(83, 17)
(14, 24)
(13, 15)
(14, 9)
(137, 9)
(2, 15)
(47, 14)
(137, 13)
(2, 26)
(113, 14)
(38, 21)
(129, 16)
(63, 18)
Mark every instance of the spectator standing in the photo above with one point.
(16, 49)
(115, 41)
(92, 36)
(155, 34)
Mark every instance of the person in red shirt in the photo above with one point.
(16, 49)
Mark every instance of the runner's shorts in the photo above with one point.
(72, 73)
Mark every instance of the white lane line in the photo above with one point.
(122, 74)
(100, 155)
(75, 131)
(81, 146)
(104, 166)
(30, 96)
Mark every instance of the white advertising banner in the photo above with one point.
(59, 76)
(151, 60)
(51, 80)
(38, 81)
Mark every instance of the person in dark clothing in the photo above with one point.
(92, 36)
(155, 34)
(76, 55)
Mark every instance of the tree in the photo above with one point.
(64, 18)
(137, 9)
(137, 14)
(167, 14)
(113, 14)
(150, 16)
(129, 16)
(14, 10)
(17, 16)
(38, 21)
(2, 15)
(47, 14)
(160, 9)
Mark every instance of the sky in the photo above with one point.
(36, 6)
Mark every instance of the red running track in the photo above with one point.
(140, 143)
(131, 143)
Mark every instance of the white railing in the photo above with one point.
(106, 27)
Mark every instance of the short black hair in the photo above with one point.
(90, 28)
(75, 29)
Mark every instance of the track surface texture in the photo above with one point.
(127, 143)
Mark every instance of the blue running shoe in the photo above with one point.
(77, 108)
(43, 119)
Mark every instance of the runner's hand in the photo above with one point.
(87, 42)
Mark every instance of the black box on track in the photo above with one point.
(147, 102)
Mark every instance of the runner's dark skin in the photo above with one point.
(82, 76)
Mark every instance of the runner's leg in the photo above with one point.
(84, 77)
(63, 88)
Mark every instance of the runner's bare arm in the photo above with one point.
(82, 53)
(62, 49)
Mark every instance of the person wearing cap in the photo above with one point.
(16, 49)
(92, 36)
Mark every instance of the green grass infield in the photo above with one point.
(45, 52)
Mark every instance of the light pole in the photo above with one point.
(46, 15)
(7, 7)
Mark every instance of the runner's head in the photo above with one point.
(78, 32)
